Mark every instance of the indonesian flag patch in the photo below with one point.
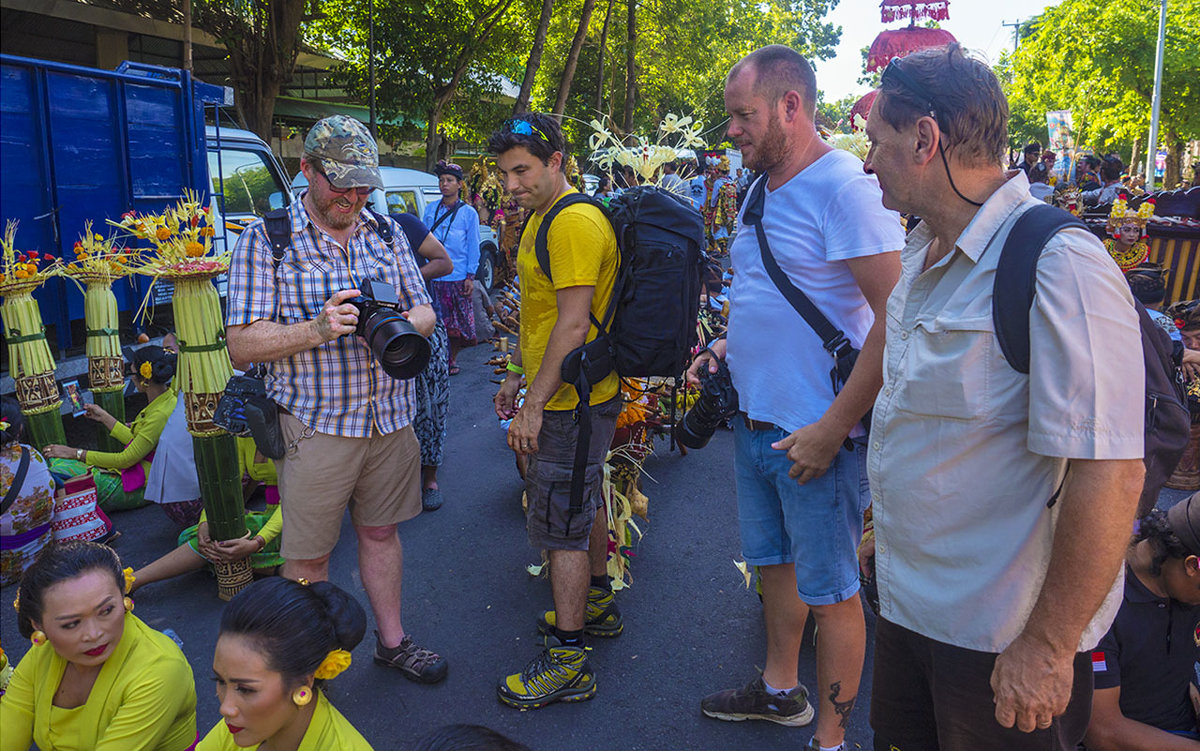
(1098, 663)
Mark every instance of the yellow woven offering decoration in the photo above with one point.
(98, 263)
(29, 359)
(182, 253)
(645, 157)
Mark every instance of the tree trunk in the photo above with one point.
(568, 76)
(261, 63)
(535, 58)
(432, 137)
(1174, 172)
(603, 50)
(630, 64)
(1133, 156)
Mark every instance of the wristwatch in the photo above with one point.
(79, 454)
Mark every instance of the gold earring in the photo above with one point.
(301, 696)
(38, 638)
(128, 605)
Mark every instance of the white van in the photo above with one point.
(410, 191)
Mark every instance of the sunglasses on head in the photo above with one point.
(523, 128)
(362, 191)
(893, 70)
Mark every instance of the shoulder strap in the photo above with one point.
(18, 480)
(1016, 278)
(448, 216)
(541, 242)
(832, 338)
(278, 224)
(383, 227)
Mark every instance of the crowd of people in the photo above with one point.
(1024, 599)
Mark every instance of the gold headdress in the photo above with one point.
(1121, 215)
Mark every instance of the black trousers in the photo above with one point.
(931, 696)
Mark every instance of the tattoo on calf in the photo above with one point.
(842, 708)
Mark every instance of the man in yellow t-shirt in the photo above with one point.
(555, 319)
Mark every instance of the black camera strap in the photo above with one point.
(833, 339)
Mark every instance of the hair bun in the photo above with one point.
(346, 615)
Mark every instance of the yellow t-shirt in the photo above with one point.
(328, 731)
(143, 700)
(583, 253)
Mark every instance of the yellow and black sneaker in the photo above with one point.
(602, 617)
(557, 674)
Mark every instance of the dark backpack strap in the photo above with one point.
(278, 224)
(833, 339)
(18, 480)
(1016, 278)
(541, 242)
(383, 227)
(541, 247)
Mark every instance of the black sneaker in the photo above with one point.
(754, 702)
(413, 662)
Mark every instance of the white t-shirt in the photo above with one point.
(830, 212)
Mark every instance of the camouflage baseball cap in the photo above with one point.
(343, 149)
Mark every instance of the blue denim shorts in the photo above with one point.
(816, 526)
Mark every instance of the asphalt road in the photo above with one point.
(691, 626)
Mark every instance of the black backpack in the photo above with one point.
(649, 328)
(650, 323)
(1168, 423)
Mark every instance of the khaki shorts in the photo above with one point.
(377, 478)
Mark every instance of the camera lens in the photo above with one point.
(717, 403)
(401, 350)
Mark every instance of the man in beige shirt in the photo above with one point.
(991, 592)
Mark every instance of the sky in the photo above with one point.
(975, 23)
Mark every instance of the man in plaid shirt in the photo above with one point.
(346, 423)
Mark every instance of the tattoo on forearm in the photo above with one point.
(842, 708)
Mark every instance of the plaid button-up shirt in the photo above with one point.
(339, 387)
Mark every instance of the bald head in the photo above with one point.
(776, 70)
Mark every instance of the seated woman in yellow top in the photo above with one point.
(196, 549)
(280, 641)
(96, 677)
(121, 475)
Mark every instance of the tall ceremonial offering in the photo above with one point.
(98, 263)
(29, 359)
(181, 238)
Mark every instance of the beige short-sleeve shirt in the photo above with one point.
(965, 452)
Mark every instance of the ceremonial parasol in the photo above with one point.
(900, 42)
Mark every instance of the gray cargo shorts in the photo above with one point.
(548, 477)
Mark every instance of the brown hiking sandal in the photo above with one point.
(754, 702)
(413, 662)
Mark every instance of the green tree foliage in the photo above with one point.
(684, 48)
(1096, 58)
(437, 64)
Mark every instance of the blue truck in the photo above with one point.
(80, 144)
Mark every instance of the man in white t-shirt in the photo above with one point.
(800, 459)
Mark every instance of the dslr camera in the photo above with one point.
(396, 343)
(718, 402)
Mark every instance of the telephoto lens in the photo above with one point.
(401, 350)
(717, 403)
